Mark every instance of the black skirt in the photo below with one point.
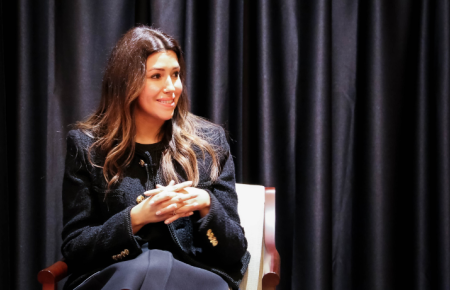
(153, 270)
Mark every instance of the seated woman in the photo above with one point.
(122, 228)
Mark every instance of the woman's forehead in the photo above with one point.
(166, 58)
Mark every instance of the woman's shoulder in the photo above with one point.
(79, 138)
(80, 141)
(213, 133)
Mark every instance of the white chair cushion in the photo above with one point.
(251, 211)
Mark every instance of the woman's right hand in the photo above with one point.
(160, 206)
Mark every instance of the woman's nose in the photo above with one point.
(169, 85)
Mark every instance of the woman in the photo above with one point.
(122, 228)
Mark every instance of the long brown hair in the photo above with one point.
(112, 125)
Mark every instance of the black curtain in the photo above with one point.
(343, 106)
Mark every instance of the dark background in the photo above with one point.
(343, 106)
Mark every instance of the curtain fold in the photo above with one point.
(34, 81)
(343, 106)
(6, 270)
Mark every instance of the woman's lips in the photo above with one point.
(167, 102)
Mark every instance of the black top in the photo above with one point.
(149, 147)
(157, 235)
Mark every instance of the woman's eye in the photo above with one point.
(176, 74)
(155, 76)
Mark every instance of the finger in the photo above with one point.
(154, 191)
(168, 209)
(166, 203)
(163, 197)
(177, 216)
(182, 185)
(170, 187)
(183, 209)
(170, 184)
(181, 197)
(185, 197)
(190, 206)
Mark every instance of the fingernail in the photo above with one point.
(152, 202)
(195, 204)
(167, 222)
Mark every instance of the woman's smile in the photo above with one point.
(168, 102)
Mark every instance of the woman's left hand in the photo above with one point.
(191, 198)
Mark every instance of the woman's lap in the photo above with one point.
(153, 269)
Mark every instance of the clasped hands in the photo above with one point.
(169, 203)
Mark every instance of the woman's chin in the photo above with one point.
(167, 117)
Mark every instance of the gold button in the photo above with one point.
(212, 238)
(140, 198)
(126, 252)
(210, 234)
(114, 257)
(142, 163)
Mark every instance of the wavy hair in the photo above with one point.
(112, 125)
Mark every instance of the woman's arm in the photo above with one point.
(87, 240)
(219, 232)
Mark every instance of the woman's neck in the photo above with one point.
(147, 132)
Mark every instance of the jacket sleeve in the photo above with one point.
(219, 233)
(89, 242)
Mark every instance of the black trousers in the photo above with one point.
(153, 270)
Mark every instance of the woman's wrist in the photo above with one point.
(136, 222)
(207, 199)
(204, 211)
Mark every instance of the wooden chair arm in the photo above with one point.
(51, 275)
(271, 271)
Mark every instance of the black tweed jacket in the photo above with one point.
(97, 230)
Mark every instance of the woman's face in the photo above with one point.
(162, 88)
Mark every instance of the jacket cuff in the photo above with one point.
(210, 223)
(125, 244)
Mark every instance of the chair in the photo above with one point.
(257, 212)
(256, 209)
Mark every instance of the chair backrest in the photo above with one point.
(251, 200)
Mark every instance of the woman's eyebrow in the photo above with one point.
(160, 68)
